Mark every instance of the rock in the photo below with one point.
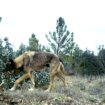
(69, 99)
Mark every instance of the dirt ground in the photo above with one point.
(79, 91)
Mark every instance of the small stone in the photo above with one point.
(44, 103)
(1, 94)
(69, 99)
(20, 101)
(1, 98)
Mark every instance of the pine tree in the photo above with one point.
(33, 43)
(6, 53)
(22, 49)
(101, 57)
(61, 41)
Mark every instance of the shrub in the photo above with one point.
(42, 78)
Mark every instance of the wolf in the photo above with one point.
(36, 61)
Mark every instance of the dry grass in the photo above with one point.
(79, 91)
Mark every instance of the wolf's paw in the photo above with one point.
(66, 85)
(12, 89)
(47, 90)
(31, 89)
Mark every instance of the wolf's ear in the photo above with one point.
(12, 63)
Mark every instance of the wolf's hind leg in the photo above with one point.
(33, 82)
(61, 76)
(53, 72)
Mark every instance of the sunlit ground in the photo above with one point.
(79, 91)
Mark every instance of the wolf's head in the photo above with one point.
(11, 64)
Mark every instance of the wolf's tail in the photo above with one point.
(62, 68)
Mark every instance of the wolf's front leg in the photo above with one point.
(23, 77)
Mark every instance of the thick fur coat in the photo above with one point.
(36, 61)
